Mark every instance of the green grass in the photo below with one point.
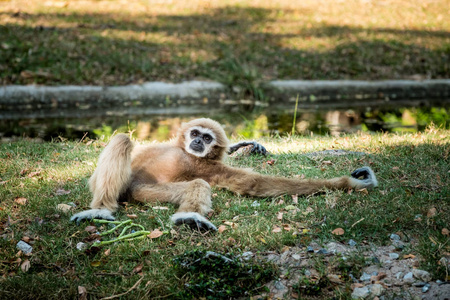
(413, 171)
(240, 43)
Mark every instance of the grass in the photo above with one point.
(240, 43)
(413, 171)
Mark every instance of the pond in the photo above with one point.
(257, 124)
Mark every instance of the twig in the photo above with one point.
(360, 220)
(120, 295)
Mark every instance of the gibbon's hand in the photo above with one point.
(194, 220)
(257, 148)
(92, 214)
(368, 176)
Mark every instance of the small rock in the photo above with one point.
(399, 245)
(296, 256)
(26, 249)
(352, 243)
(279, 286)
(309, 249)
(375, 260)
(426, 288)
(421, 275)
(408, 278)
(255, 204)
(399, 275)
(336, 248)
(394, 256)
(365, 277)
(419, 284)
(376, 289)
(322, 251)
(360, 293)
(72, 204)
(81, 246)
(394, 237)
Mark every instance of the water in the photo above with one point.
(246, 125)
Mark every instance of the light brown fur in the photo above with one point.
(167, 173)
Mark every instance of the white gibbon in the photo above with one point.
(182, 172)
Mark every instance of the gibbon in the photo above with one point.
(182, 172)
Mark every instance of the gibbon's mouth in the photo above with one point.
(197, 147)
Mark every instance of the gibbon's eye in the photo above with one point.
(194, 133)
(207, 138)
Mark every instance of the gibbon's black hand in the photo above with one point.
(92, 214)
(257, 148)
(193, 220)
(368, 177)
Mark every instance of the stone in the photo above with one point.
(360, 293)
(352, 243)
(426, 288)
(26, 249)
(399, 245)
(408, 278)
(394, 256)
(336, 248)
(322, 251)
(421, 275)
(309, 249)
(376, 290)
(365, 277)
(64, 207)
(296, 256)
(394, 237)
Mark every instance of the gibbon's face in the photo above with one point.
(199, 141)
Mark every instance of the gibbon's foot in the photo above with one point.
(368, 177)
(90, 214)
(193, 220)
(257, 148)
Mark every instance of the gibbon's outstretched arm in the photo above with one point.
(248, 183)
(183, 171)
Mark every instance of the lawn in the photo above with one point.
(411, 201)
(236, 42)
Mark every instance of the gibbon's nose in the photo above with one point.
(197, 141)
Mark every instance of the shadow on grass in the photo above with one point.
(234, 45)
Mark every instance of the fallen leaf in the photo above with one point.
(232, 224)
(27, 239)
(432, 212)
(263, 240)
(155, 234)
(287, 227)
(334, 278)
(32, 174)
(290, 207)
(96, 264)
(82, 293)
(91, 229)
(271, 162)
(276, 229)
(294, 199)
(132, 216)
(280, 216)
(395, 168)
(25, 266)
(222, 228)
(64, 207)
(138, 268)
(107, 252)
(60, 192)
(23, 172)
(20, 200)
(338, 231)
(327, 162)
(308, 211)
(406, 256)
(363, 191)
(445, 232)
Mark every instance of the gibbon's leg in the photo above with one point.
(257, 148)
(254, 184)
(193, 197)
(110, 179)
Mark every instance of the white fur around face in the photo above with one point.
(188, 140)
